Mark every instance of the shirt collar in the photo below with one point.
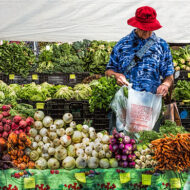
(135, 36)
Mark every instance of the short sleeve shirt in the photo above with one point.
(155, 64)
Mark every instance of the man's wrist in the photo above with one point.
(165, 84)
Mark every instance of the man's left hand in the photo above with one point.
(162, 90)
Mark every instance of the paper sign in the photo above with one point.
(29, 183)
(47, 47)
(11, 76)
(34, 77)
(80, 177)
(188, 75)
(124, 177)
(177, 74)
(175, 183)
(72, 76)
(146, 179)
(39, 105)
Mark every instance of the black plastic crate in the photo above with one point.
(182, 75)
(4, 78)
(17, 79)
(186, 124)
(101, 124)
(75, 78)
(101, 113)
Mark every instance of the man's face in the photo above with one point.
(143, 34)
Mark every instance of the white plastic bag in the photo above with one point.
(143, 110)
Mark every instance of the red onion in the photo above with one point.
(126, 140)
(7, 128)
(131, 164)
(128, 147)
(133, 157)
(130, 157)
(118, 157)
(124, 157)
(132, 141)
(113, 140)
(121, 146)
(115, 147)
(124, 164)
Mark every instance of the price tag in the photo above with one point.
(146, 179)
(29, 183)
(124, 177)
(47, 47)
(11, 76)
(80, 177)
(34, 77)
(72, 76)
(177, 74)
(188, 75)
(175, 183)
(40, 106)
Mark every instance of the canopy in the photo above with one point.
(73, 20)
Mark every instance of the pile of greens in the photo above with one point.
(169, 127)
(182, 90)
(16, 59)
(103, 91)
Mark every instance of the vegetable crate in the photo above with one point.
(57, 107)
(181, 75)
(4, 78)
(17, 79)
(75, 78)
(186, 124)
(184, 111)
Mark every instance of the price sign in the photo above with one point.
(124, 177)
(34, 77)
(72, 76)
(175, 183)
(47, 47)
(80, 177)
(29, 183)
(11, 76)
(146, 179)
(177, 74)
(40, 106)
(188, 75)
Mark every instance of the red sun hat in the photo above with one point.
(145, 19)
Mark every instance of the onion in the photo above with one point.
(39, 115)
(38, 138)
(65, 140)
(34, 145)
(53, 128)
(126, 140)
(81, 162)
(69, 131)
(33, 132)
(34, 155)
(27, 151)
(77, 137)
(69, 163)
(56, 142)
(100, 135)
(108, 154)
(52, 135)
(88, 150)
(105, 139)
(53, 164)
(97, 140)
(148, 157)
(93, 136)
(46, 147)
(137, 153)
(86, 141)
(85, 135)
(91, 130)
(113, 163)
(98, 147)
(60, 154)
(121, 146)
(51, 151)
(39, 150)
(128, 147)
(71, 151)
(43, 132)
(80, 152)
(47, 121)
(38, 125)
(94, 154)
(46, 156)
(67, 117)
(73, 124)
(59, 123)
(41, 164)
(102, 154)
(91, 144)
(93, 162)
(77, 146)
(104, 163)
(46, 139)
(60, 132)
(118, 157)
(85, 128)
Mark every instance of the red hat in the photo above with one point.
(145, 19)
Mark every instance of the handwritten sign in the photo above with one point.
(80, 177)
(124, 177)
(175, 183)
(29, 183)
(146, 179)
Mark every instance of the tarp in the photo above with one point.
(98, 179)
(72, 20)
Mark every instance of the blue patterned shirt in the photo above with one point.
(156, 62)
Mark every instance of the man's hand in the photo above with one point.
(162, 90)
(121, 80)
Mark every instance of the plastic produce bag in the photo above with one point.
(143, 110)
(119, 105)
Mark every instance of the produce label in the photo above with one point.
(72, 76)
(146, 179)
(11, 76)
(80, 177)
(175, 183)
(188, 75)
(29, 183)
(124, 177)
(34, 77)
(39, 105)
(177, 74)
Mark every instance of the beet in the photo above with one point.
(6, 157)
(6, 113)
(30, 121)
(17, 119)
(1, 129)
(1, 117)
(5, 135)
(22, 124)
(4, 120)
(9, 122)
(28, 129)
(17, 132)
(5, 107)
(7, 128)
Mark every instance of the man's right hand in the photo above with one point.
(121, 79)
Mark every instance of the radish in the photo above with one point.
(1, 117)
(17, 119)
(14, 126)
(7, 128)
(16, 132)
(4, 120)
(22, 124)
(5, 134)
(1, 129)
(5, 108)
(30, 121)
(8, 122)
(6, 113)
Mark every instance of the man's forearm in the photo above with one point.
(168, 81)
(110, 73)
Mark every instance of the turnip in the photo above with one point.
(47, 121)
(67, 117)
(53, 164)
(69, 163)
(38, 125)
(104, 163)
(17, 119)
(81, 163)
(39, 115)
(59, 123)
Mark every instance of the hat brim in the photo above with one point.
(144, 26)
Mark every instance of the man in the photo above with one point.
(156, 60)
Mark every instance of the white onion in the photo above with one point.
(53, 164)
(34, 145)
(34, 155)
(56, 142)
(106, 139)
(69, 131)
(85, 135)
(60, 132)
(46, 156)
(43, 132)
(40, 144)
(71, 151)
(77, 137)
(91, 130)
(100, 135)
(85, 128)
(38, 138)
(39, 150)
(38, 125)
(53, 128)
(86, 141)
(93, 136)
(104, 163)
(39, 115)
(93, 162)
(105, 147)
(97, 146)
(41, 164)
(80, 152)
(108, 154)
(33, 132)
(46, 147)
(51, 151)
(94, 154)
(60, 154)
(47, 121)
(46, 139)
(69, 163)
(27, 151)
(81, 163)
(65, 140)
(102, 154)
(91, 144)
(88, 150)
(73, 124)
(67, 117)
(113, 163)
(59, 123)
(52, 135)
